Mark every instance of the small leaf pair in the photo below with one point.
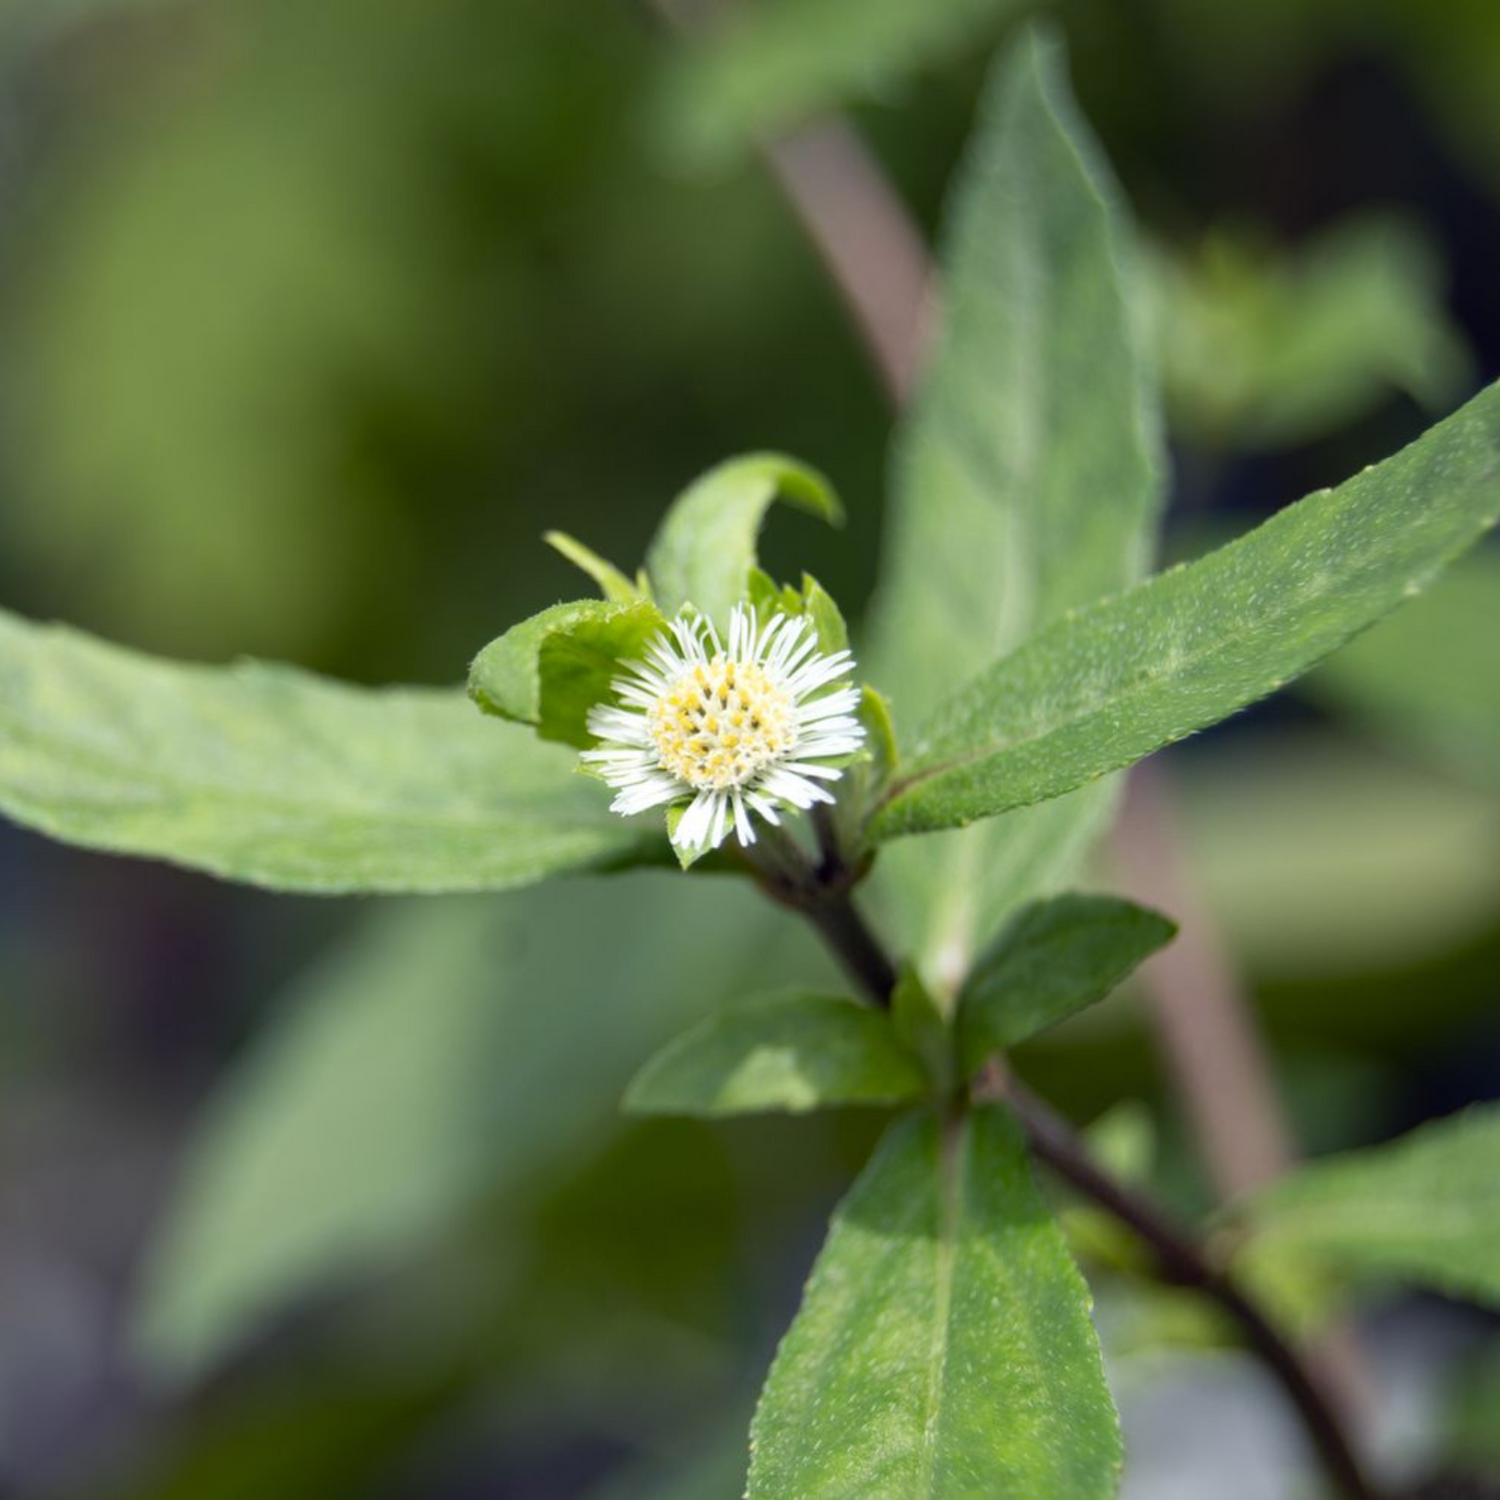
(944, 1344)
(802, 1050)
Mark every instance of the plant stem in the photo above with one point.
(1181, 1259)
(846, 934)
(1206, 1028)
(823, 893)
(1202, 1017)
(874, 254)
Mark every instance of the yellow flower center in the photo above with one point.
(721, 724)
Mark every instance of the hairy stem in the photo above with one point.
(823, 893)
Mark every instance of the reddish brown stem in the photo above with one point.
(1201, 1016)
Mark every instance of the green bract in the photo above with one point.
(548, 671)
(613, 584)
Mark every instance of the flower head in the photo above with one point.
(734, 730)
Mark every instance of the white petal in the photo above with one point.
(741, 633)
(743, 828)
(818, 672)
(762, 648)
(765, 807)
(807, 768)
(693, 824)
(793, 788)
(721, 820)
(844, 725)
(617, 761)
(823, 750)
(795, 668)
(826, 708)
(615, 724)
(651, 794)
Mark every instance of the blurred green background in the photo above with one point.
(313, 317)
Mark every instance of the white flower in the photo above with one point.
(741, 730)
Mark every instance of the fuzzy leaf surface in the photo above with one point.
(704, 550)
(1109, 685)
(1053, 959)
(1423, 1208)
(795, 1051)
(1026, 479)
(273, 776)
(944, 1347)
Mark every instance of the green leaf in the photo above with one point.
(1423, 1208)
(771, 66)
(1053, 959)
(795, 1051)
(613, 584)
(1425, 678)
(944, 1348)
(272, 776)
(1026, 477)
(704, 550)
(551, 669)
(446, 1051)
(1470, 1425)
(1111, 684)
